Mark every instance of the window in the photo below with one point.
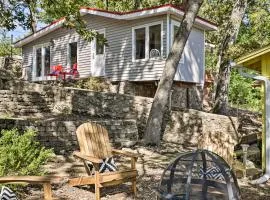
(100, 45)
(38, 62)
(140, 43)
(47, 60)
(41, 61)
(72, 53)
(147, 41)
(154, 41)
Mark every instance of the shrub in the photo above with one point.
(243, 94)
(93, 83)
(21, 154)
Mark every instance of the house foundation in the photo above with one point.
(183, 95)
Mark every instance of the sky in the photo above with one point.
(19, 32)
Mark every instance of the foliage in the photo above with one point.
(70, 10)
(21, 154)
(5, 46)
(25, 13)
(17, 12)
(243, 94)
(255, 30)
(211, 59)
(93, 83)
(254, 33)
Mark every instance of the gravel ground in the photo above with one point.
(150, 168)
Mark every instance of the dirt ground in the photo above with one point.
(150, 167)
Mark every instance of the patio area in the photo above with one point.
(150, 167)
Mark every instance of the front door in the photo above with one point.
(98, 57)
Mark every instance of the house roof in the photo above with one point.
(253, 59)
(131, 15)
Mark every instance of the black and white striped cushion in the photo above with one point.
(108, 164)
(7, 194)
(213, 173)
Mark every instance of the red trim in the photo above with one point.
(155, 7)
(144, 9)
(54, 22)
(100, 10)
(122, 13)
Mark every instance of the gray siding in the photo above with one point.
(61, 38)
(119, 65)
(192, 70)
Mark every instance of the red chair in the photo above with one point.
(57, 70)
(74, 71)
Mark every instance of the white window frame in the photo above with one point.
(176, 23)
(146, 26)
(42, 77)
(69, 54)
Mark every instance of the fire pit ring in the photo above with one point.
(199, 174)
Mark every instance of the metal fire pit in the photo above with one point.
(200, 174)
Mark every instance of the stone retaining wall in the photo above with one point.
(60, 134)
(217, 133)
(24, 103)
(87, 103)
(183, 95)
(188, 127)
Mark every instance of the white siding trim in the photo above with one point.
(146, 26)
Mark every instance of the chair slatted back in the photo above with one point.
(94, 140)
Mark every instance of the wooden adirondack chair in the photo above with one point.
(94, 146)
(46, 181)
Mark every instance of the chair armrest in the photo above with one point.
(88, 158)
(125, 153)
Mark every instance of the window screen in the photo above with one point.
(38, 62)
(73, 53)
(155, 40)
(47, 60)
(100, 46)
(140, 43)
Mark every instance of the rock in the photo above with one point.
(250, 164)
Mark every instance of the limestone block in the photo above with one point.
(203, 130)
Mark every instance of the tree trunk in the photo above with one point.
(222, 88)
(137, 4)
(106, 4)
(160, 102)
(32, 16)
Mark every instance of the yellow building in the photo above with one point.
(259, 61)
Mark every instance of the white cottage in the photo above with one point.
(138, 44)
